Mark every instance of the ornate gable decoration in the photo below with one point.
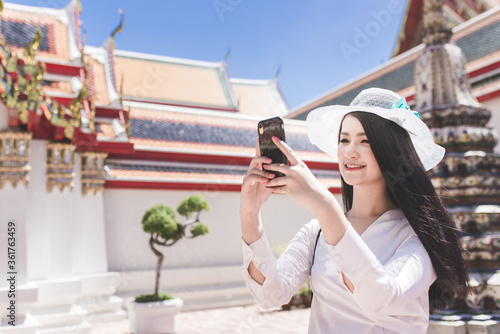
(60, 162)
(14, 157)
(93, 172)
(21, 91)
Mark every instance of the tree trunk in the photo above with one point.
(158, 264)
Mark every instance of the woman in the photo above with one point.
(392, 250)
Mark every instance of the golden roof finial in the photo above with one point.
(127, 121)
(77, 104)
(120, 26)
(79, 6)
(2, 41)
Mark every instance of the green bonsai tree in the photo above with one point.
(160, 221)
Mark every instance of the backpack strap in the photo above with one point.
(314, 255)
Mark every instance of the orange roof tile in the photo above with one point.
(171, 81)
(178, 176)
(494, 85)
(105, 131)
(468, 28)
(57, 32)
(259, 98)
(407, 91)
(63, 87)
(188, 146)
(482, 61)
(97, 80)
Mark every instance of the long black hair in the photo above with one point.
(410, 188)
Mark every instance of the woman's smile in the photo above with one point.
(353, 167)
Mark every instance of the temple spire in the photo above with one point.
(467, 178)
(441, 80)
(436, 27)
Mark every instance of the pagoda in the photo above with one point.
(467, 179)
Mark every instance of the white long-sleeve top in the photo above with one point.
(389, 267)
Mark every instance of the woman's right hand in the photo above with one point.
(253, 189)
(254, 193)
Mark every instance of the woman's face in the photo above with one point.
(357, 164)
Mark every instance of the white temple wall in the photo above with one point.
(494, 106)
(38, 233)
(89, 246)
(13, 204)
(49, 222)
(205, 256)
(65, 230)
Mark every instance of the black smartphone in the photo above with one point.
(267, 129)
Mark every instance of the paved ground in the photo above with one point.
(233, 320)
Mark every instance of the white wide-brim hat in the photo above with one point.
(323, 123)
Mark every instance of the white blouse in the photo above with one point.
(388, 266)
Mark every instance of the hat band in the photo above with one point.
(401, 104)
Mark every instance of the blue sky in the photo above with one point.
(319, 44)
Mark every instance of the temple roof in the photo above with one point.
(160, 79)
(161, 130)
(479, 39)
(412, 28)
(259, 97)
(193, 83)
(164, 122)
(221, 177)
(171, 128)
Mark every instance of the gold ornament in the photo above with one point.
(93, 173)
(60, 162)
(69, 132)
(14, 157)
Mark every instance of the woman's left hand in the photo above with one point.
(299, 182)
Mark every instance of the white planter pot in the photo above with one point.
(154, 317)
